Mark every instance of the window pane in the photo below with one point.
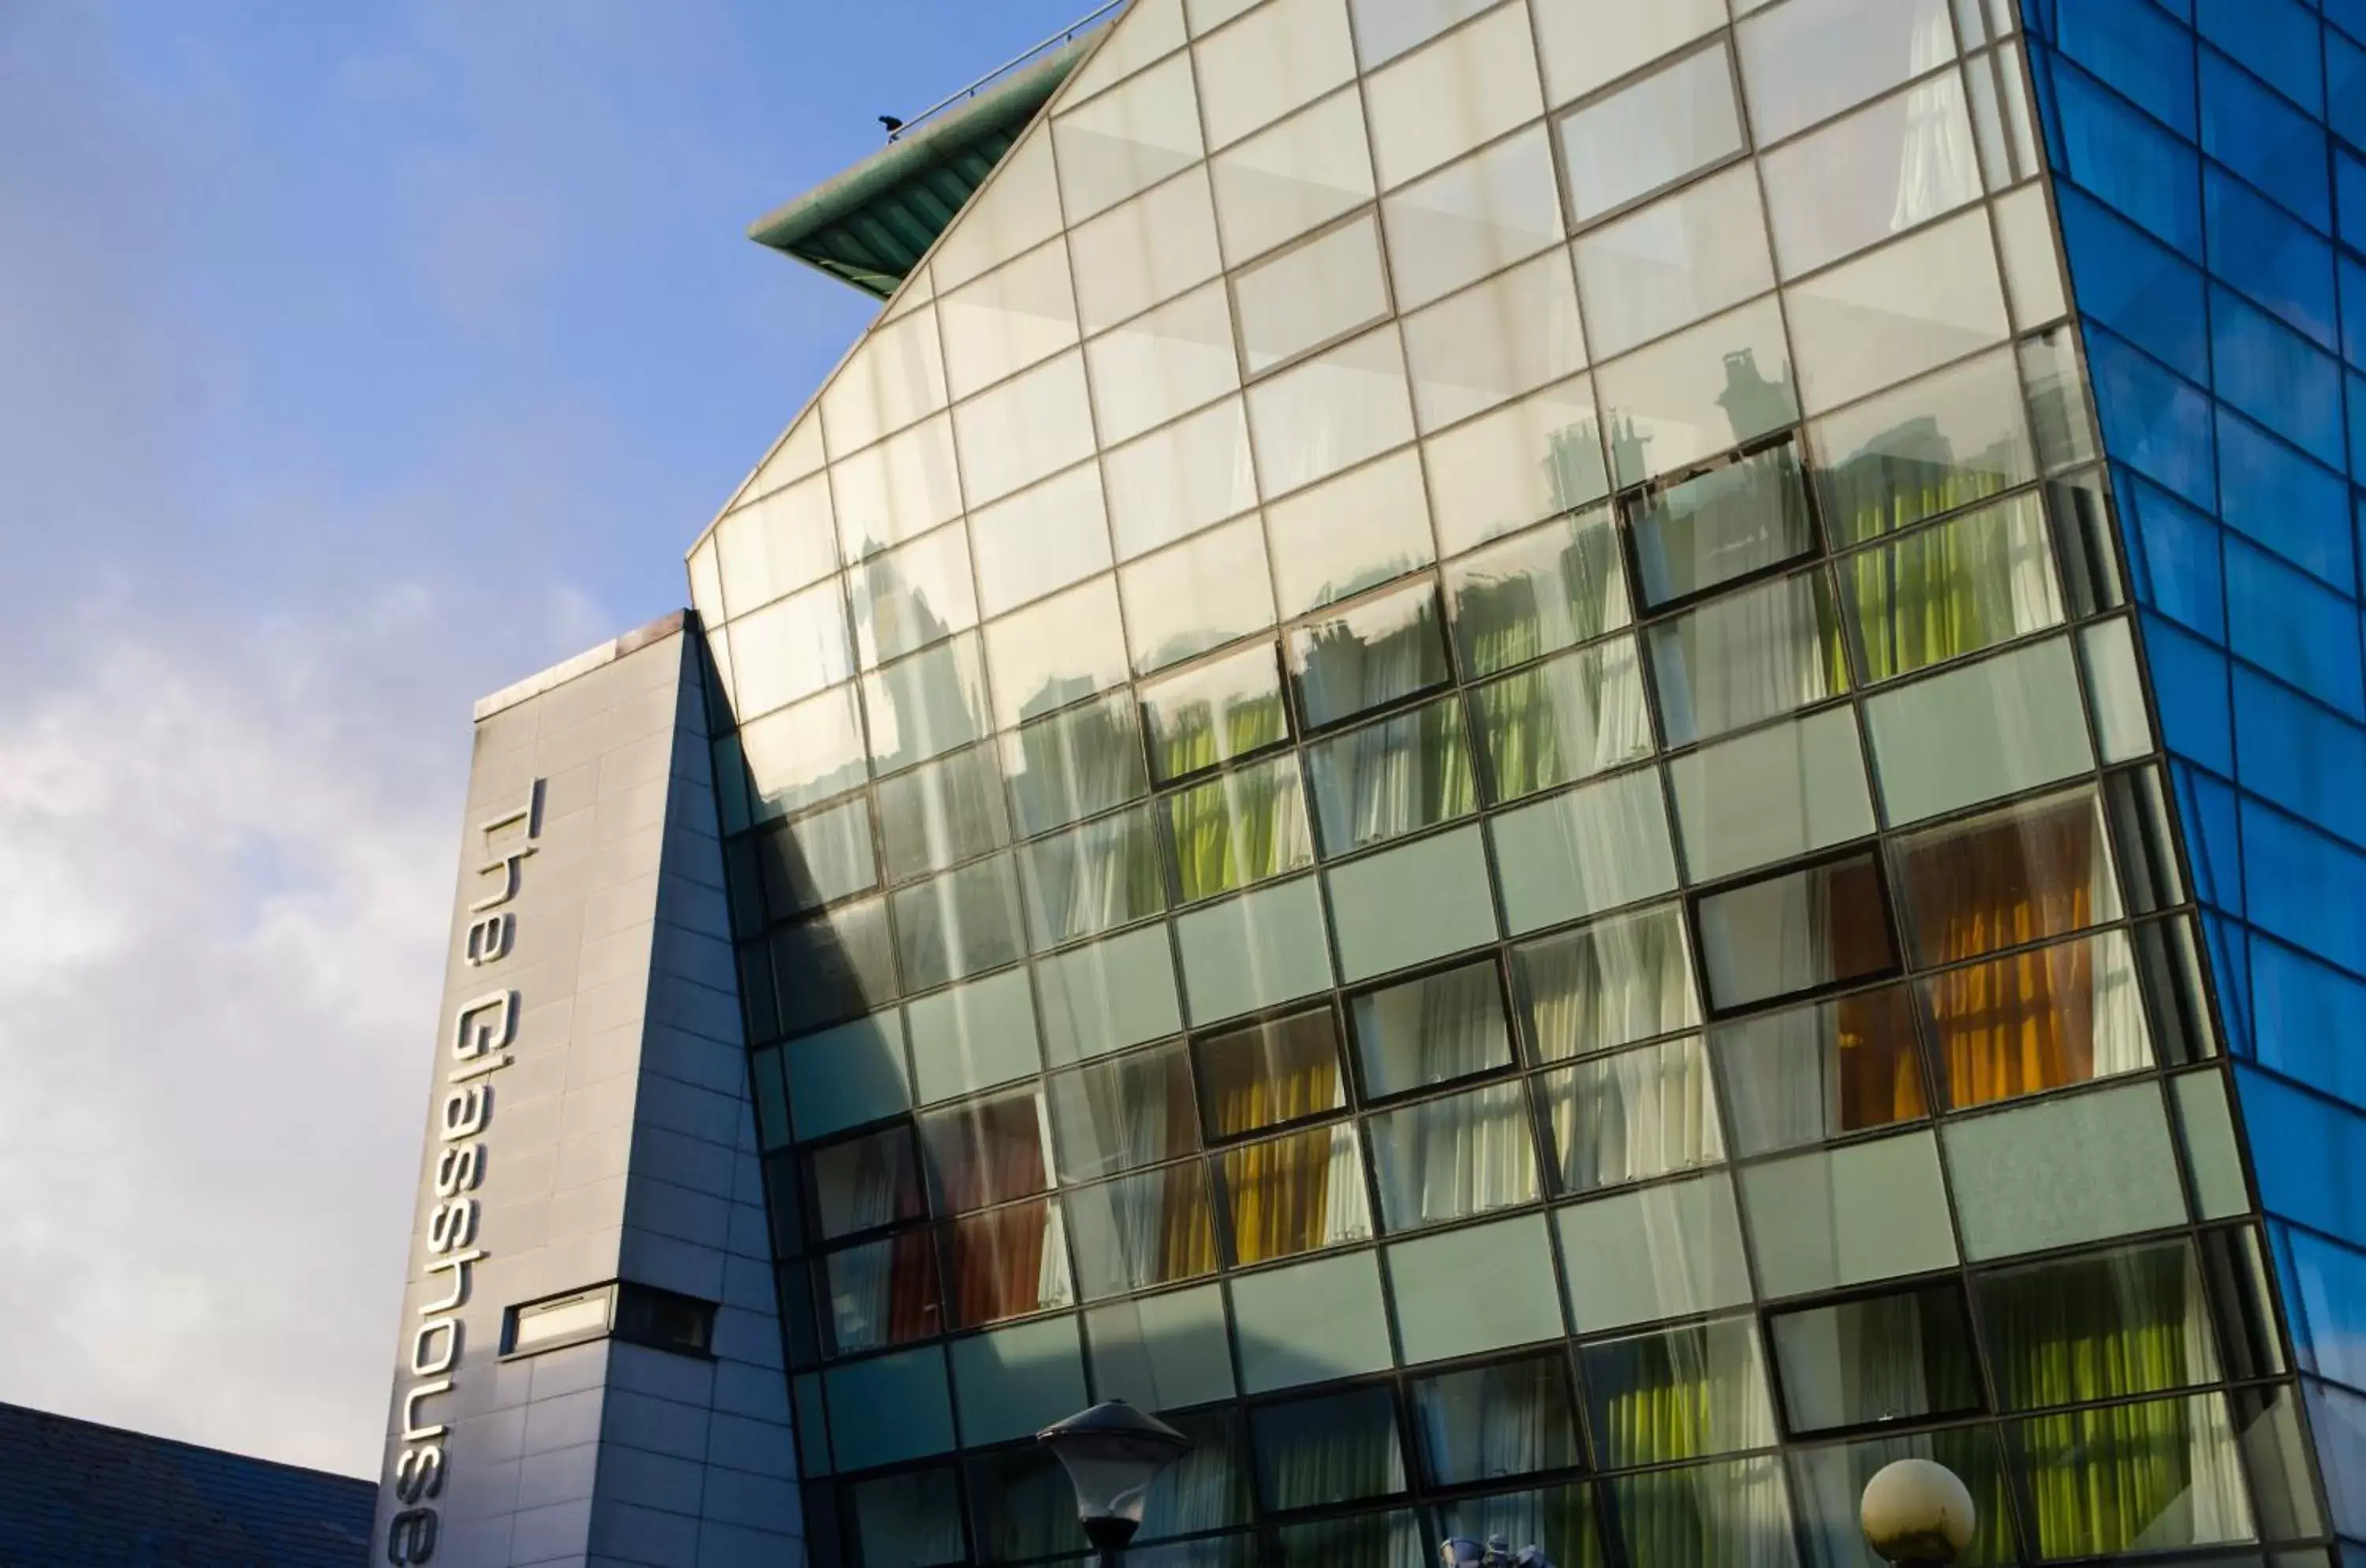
(1376, 652)
(1178, 356)
(1031, 425)
(1295, 1194)
(1393, 777)
(1602, 985)
(1517, 466)
(1240, 828)
(1197, 595)
(1279, 58)
(1431, 1030)
(1393, 1540)
(1749, 655)
(775, 545)
(984, 1152)
(1125, 1113)
(1010, 1263)
(1411, 904)
(1679, 1394)
(1226, 708)
(1592, 849)
(1487, 1422)
(1586, 43)
(2039, 1020)
(963, 923)
(1022, 1504)
(881, 1294)
(1309, 294)
(1887, 1358)
(1547, 590)
(1081, 761)
(1353, 533)
(1017, 316)
(1020, 211)
(1822, 926)
(1830, 1483)
(1952, 589)
(948, 811)
(1898, 311)
(1443, 1159)
(2057, 1172)
(2132, 1477)
(911, 597)
(1804, 62)
(1653, 133)
(1730, 522)
(897, 490)
(2032, 871)
(1834, 1217)
(864, 1183)
(1471, 219)
(844, 962)
(1822, 1071)
(1334, 410)
(1148, 250)
(791, 648)
(1566, 719)
(1266, 1073)
(1467, 88)
(911, 1520)
(1683, 257)
(1773, 794)
(799, 755)
(1971, 734)
(1043, 539)
(2133, 1320)
(844, 1077)
(1094, 878)
(817, 860)
(1631, 1116)
(1731, 1512)
(1127, 139)
(1268, 946)
(1509, 335)
(1333, 1449)
(1146, 1230)
(1046, 656)
(1694, 395)
(1689, 1231)
(1296, 176)
(926, 705)
(895, 376)
(1881, 170)
(1930, 447)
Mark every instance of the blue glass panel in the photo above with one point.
(2350, 178)
(2227, 942)
(2301, 756)
(2356, 386)
(2263, 139)
(2353, 311)
(2345, 88)
(2212, 840)
(2128, 160)
(2274, 38)
(2269, 255)
(2350, 14)
(2273, 495)
(2308, 1016)
(2309, 1154)
(2151, 419)
(2177, 554)
(2304, 886)
(2135, 286)
(2328, 1304)
(2189, 682)
(2132, 45)
(2294, 626)
(2277, 377)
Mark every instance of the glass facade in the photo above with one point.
(1572, 765)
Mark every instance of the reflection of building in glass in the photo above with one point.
(1547, 793)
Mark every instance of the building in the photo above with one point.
(77, 1492)
(1570, 765)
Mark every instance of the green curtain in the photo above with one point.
(1951, 589)
(1238, 828)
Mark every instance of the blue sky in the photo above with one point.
(358, 360)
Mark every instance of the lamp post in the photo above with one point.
(1112, 1453)
(1917, 1513)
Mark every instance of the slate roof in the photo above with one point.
(76, 1494)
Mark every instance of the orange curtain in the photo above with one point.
(1878, 1082)
(997, 1263)
(1280, 1194)
(2018, 1024)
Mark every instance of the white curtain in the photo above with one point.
(1463, 1154)
(1632, 1116)
(1763, 651)
(1621, 980)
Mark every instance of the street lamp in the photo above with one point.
(1917, 1513)
(1112, 1453)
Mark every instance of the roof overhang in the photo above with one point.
(871, 225)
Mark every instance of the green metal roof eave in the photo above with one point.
(849, 225)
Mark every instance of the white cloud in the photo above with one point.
(226, 868)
